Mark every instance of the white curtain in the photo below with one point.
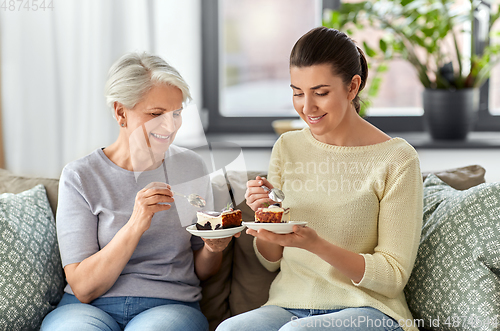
(54, 67)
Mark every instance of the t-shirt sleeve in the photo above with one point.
(400, 221)
(76, 224)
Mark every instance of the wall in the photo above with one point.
(54, 67)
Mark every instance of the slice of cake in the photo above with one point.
(214, 220)
(272, 214)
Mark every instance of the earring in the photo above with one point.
(123, 124)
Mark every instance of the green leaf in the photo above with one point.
(375, 86)
(406, 2)
(370, 52)
(383, 45)
(429, 32)
(335, 20)
(383, 68)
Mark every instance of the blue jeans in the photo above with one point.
(125, 313)
(274, 318)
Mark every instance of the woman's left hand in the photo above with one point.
(218, 245)
(207, 261)
(301, 237)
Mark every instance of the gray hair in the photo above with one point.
(134, 74)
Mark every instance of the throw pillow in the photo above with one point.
(455, 282)
(31, 276)
(11, 183)
(461, 178)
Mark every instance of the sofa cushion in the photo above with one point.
(10, 183)
(31, 276)
(216, 290)
(242, 283)
(250, 280)
(222, 296)
(461, 178)
(455, 282)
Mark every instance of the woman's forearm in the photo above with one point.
(206, 263)
(95, 275)
(270, 251)
(349, 263)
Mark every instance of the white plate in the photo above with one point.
(280, 228)
(214, 234)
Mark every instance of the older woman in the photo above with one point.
(129, 262)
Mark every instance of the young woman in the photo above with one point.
(360, 192)
(128, 259)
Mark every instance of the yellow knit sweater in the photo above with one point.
(366, 199)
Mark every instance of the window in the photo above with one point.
(246, 44)
(489, 109)
(494, 82)
(256, 39)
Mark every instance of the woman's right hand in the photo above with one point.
(256, 197)
(148, 201)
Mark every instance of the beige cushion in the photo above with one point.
(461, 178)
(10, 183)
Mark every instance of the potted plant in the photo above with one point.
(426, 33)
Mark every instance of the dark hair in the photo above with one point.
(329, 46)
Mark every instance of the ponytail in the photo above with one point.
(363, 73)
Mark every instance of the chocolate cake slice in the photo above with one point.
(271, 214)
(212, 220)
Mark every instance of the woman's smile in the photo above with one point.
(160, 138)
(316, 119)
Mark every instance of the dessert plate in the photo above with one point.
(279, 228)
(214, 234)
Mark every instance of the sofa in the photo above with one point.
(32, 279)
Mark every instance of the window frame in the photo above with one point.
(486, 121)
(210, 32)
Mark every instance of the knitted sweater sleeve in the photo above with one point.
(388, 268)
(275, 165)
(274, 177)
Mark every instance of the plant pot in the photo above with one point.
(450, 114)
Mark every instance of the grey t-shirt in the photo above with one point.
(96, 198)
